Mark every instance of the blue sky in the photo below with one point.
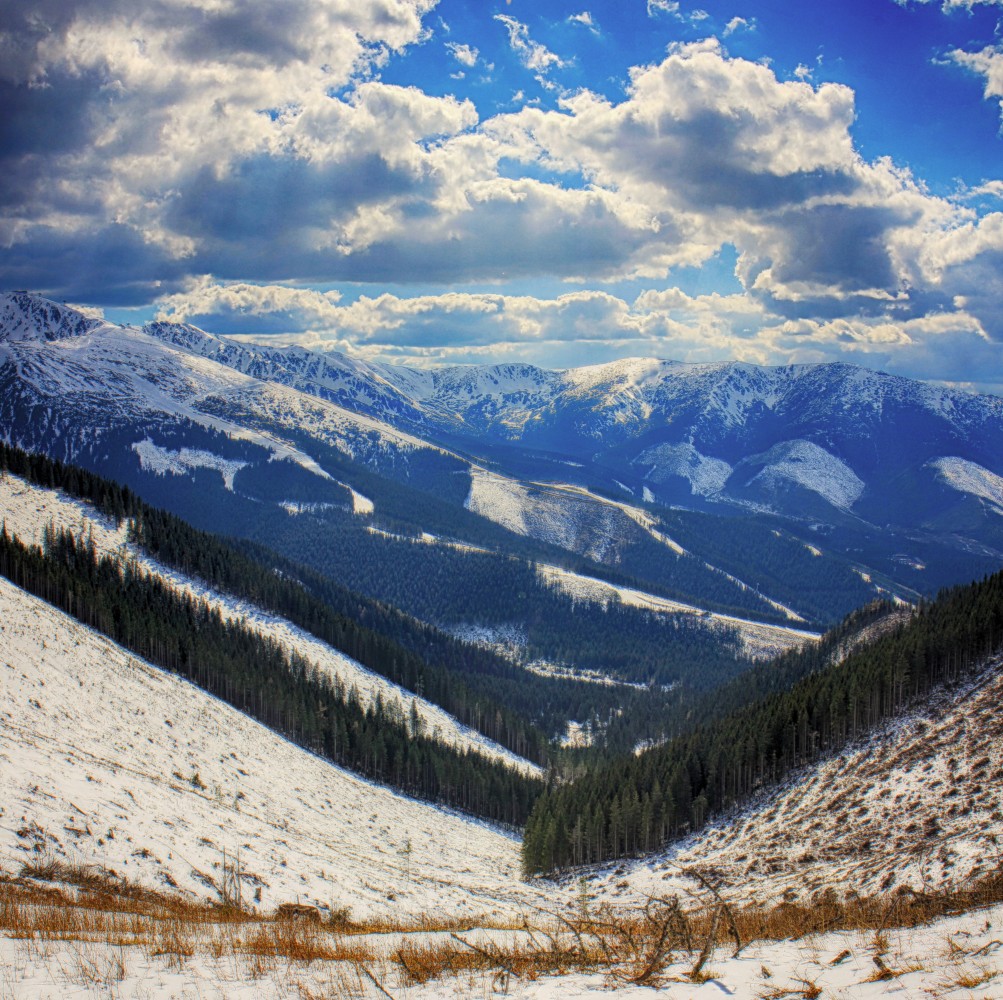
(441, 182)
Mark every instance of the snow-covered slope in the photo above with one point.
(803, 464)
(106, 760)
(916, 805)
(27, 510)
(972, 479)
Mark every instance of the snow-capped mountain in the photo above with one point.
(828, 437)
(888, 484)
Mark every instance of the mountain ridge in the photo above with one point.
(893, 486)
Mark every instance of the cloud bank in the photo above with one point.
(146, 147)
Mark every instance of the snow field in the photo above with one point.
(162, 461)
(561, 514)
(106, 760)
(27, 510)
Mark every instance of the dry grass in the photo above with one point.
(672, 938)
(827, 912)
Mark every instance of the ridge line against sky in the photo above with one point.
(438, 182)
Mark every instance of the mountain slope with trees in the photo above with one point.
(812, 706)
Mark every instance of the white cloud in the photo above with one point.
(656, 7)
(588, 326)
(276, 154)
(989, 64)
(464, 54)
(951, 5)
(532, 54)
(737, 24)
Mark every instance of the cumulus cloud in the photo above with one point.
(392, 326)
(113, 110)
(987, 63)
(463, 328)
(586, 20)
(254, 141)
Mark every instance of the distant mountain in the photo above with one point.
(801, 440)
(789, 494)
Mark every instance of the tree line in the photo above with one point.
(257, 676)
(807, 704)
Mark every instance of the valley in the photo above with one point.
(509, 692)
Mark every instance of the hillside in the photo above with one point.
(912, 808)
(29, 510)
(109, 762)
(760, 730)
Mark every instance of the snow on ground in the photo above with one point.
(968, 477)
(742, 585)
(163, 461)
(544, 513)
(759, 640)
(941, 960)
(705, 475)
(916, 805)
(27, 510)
(953, 958)
(107, 760)
(807, 465)
(563, 514)
(361, 504)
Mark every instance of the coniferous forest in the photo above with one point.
(815, 703)
(256, 676)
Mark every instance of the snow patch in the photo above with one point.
(361, 505)
(758, 640)
(705, 475)
(807, 465)
(163, 461)
(968, 477)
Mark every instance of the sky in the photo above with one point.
(491, 181)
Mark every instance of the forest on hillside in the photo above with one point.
(807, 704)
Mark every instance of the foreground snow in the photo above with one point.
(106, 760)
(955, 958)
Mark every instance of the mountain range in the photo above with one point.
(773, 495)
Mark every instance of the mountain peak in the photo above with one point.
(24, 316)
